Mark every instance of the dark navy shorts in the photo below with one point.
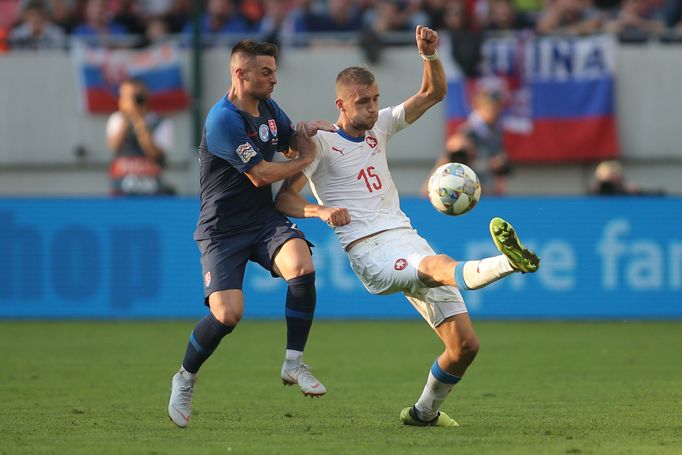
(223, 260)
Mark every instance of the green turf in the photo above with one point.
(93, 387)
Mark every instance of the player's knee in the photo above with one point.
(465, 351)
(470, 347)
(227, 316)
(304, 269)
(226, 309)
(296, 268)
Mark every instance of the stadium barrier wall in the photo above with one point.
(135, 258)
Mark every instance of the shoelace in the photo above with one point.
(303, 371)
(185, 396)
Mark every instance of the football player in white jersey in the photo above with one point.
(357, 197)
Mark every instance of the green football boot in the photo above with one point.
(442, 420)
(506, 240)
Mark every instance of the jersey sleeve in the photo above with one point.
(285, 129)
(226, 138)
(391, 120)
(312, 167)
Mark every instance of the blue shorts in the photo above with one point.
(223, 260)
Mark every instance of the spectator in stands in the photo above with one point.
(98, 28)
(478, 142)
(503, 17)
(36, 31)
(394, 16)
(435, 12)
(221, 17)
(635, 20)
(128, 15)
(673, 14)
(609, 180)
(278, 25)
(157, 30)
(529, 8)
(465, 40)
(574, 17)
(139, 140)
(174, 13)
(253, 11)
(339, 16)
(64, 13)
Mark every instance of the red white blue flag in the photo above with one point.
(559, 95)
(100, 71)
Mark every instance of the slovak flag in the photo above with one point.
(100, 71)
(558, 92)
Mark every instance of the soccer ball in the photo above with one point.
(454, 189)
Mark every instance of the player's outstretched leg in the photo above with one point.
(294, 371)
(408, 417)
(506, 240)
(180, 404)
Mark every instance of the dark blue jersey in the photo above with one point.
(232, 142)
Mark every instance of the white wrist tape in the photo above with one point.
(429, 58)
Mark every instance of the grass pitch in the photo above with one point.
(536, 387)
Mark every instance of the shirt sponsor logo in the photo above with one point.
(371, 141)
(263, 132)
(207, 279)
(400, 264)
(337, 150)
(245, 152)
(273, 127)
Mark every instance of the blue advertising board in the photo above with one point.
(602, 258)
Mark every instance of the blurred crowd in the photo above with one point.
(44, 24)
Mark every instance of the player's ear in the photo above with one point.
(339, 105)
(241, 74)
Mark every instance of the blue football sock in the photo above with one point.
(204, 339)
(300, 308)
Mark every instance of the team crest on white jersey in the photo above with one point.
(371, 141)
(245, 152)
(273, 127)
(400, 264)
(263, 132)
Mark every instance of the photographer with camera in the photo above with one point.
(139, 140)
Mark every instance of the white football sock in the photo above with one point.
(435, 392)
(186, 374)
(292, 355)
(477, 274)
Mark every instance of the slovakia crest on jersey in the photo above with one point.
(273, 127)
(245, 152)
(263, 132)
(371, 141)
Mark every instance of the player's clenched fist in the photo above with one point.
(427, 40)
(334, 216)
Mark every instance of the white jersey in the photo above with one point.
(353, 173)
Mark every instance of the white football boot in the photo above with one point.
(180, 404)
(297, 372)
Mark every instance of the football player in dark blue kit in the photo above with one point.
(238, 221)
